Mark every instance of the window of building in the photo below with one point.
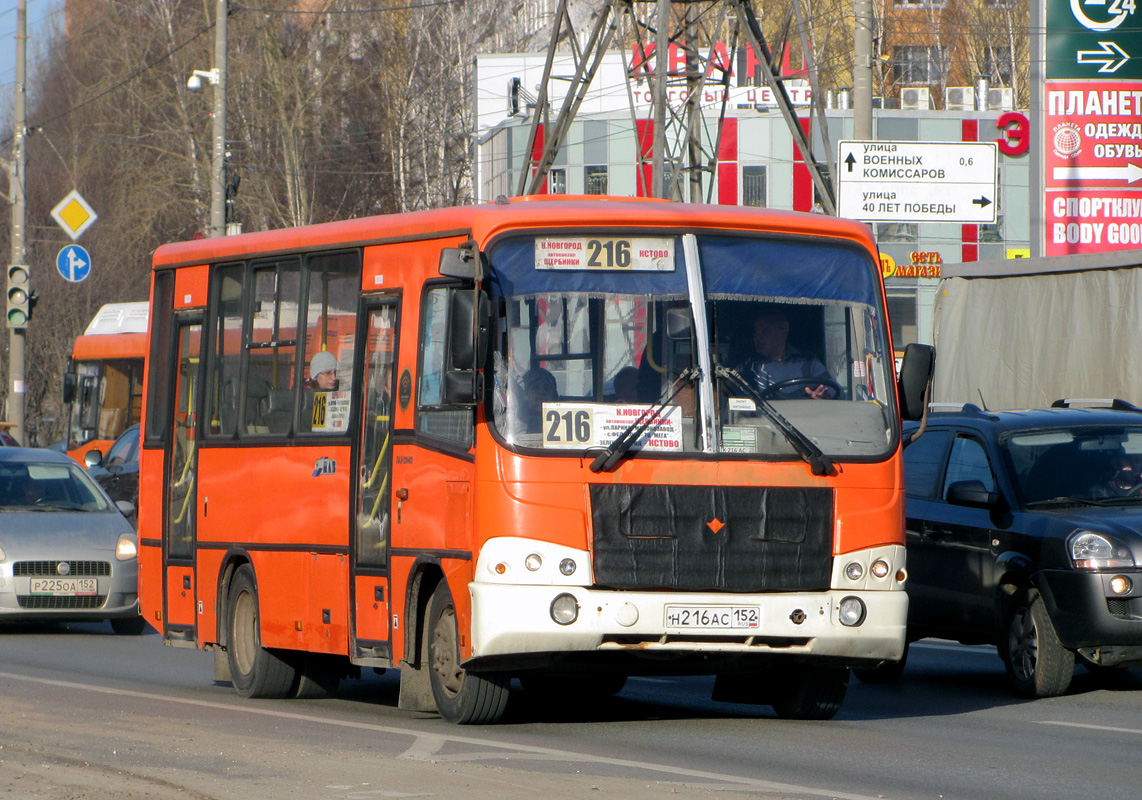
(595, 180)
(888, 232)
(991, 234)
(557, 183)
(918, 65)
(998, 67)
(755, 191)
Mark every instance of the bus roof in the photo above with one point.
(119, 318)
(489, 219)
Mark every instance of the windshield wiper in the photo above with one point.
(820, 463)
(633, 432)
(1062, 501)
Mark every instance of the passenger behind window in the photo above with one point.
(538, 387)
(626, 385)
(322, 379)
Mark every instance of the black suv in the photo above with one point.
(118, 471)
(1025, 531)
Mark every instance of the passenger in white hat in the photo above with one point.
(323, 371)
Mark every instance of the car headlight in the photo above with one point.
(1090, 550)
(125, 548)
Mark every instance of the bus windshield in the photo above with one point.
(713, 343)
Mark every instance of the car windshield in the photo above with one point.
(594, 332)
(47, 486)
(1076, 465)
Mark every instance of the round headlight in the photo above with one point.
(567, 566)
(851, 611)
(1120, 584)
(565, 609)
(533, 562)
(880, 568)
(854, 571)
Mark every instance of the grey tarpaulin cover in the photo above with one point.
(1026, 332)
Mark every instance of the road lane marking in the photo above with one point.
(1106, 728)
(521, 751)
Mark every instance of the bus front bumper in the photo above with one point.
(520, 619)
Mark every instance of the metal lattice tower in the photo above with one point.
(678, 152)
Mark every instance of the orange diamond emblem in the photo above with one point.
(715, 525)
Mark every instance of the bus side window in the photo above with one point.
(225, 360)
(330, 323)
(272, 349)
(433, 418)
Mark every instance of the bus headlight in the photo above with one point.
(852, 611)
(533, 562)
(854, 571)
(880, 568)
(567, 566)
(565, 609)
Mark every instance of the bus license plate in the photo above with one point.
(64, 586)
(713, 617)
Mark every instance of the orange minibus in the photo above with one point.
(103, 386)
(562, 440)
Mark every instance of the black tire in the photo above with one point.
(812, 692)
(128, 626)
(462, 697)
(318, 676)
(1037, 663)
(584, 688)
(254, 670)
(885, 672)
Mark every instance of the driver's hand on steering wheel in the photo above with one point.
(816, 392)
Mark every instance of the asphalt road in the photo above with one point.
(86, 714)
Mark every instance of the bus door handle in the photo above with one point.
(402, 495)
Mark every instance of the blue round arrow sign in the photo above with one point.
(73, 263)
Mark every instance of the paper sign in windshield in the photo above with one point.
(633, 254)
(330, 411)
(575, 426)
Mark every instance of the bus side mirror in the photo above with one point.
(469, 315)
(468, 329)
(915, 378)
(70, 385)
(459, 262)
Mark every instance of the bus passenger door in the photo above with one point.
(370, 598)
(180, 483)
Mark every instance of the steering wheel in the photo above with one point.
(781, 386)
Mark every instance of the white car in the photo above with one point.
(67, 552)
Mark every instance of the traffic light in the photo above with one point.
(19, 305)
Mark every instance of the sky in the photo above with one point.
(42, 14)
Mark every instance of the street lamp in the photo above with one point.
(217, 78)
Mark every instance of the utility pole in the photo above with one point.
(862, 71)
(19, 285)
(218, 172)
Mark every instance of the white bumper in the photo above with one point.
(511, 611)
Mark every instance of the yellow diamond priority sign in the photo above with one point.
(74, 215)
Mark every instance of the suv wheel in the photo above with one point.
(1037, 663)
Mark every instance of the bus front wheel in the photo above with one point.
(254, 670)
(462, 697)
(812, 692)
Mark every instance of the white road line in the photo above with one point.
(1107, 728)
(526, 751)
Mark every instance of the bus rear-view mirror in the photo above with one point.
(915, 376)
(70, 385)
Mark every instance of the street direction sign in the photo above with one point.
(74, 215)
(917, 181)
(1093, 39)
(73, 263)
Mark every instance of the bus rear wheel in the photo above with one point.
(254, 670)
(462, 697)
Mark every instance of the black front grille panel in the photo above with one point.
(42, 601)
(78, 569)
(712, 538)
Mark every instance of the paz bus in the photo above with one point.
(467, 497)
(103, 386)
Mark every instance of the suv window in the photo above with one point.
(968, 462)
(923, 460)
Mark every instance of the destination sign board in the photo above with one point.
(917, 181)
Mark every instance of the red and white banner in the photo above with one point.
(1093, 166)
